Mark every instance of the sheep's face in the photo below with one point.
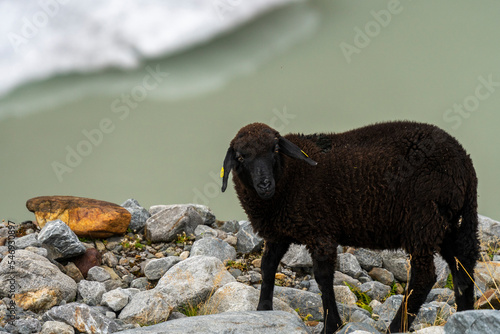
(254, 155)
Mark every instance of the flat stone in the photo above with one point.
(206, 214)
(86, 217)
(246, 322)
(98, 274)
(58, 235)
(203, 231)
(116, 299)
(382, 275)
(40, 300)
(230, 226)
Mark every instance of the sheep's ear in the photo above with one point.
(292, 150)
(227, 166)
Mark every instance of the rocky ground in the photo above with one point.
(179, 270)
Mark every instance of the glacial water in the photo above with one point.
(157, 130)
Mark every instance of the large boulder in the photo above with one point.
(86, 217)
(36, 279)
(165, 225)
(247, 322)
(61, 239)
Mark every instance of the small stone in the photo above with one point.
(73, 272)
(155, 269)
(29, 240)
(99, 245)
(56, 327)
(184, 255)
(397, 263)
(98, 274)
(203, 231)
(91, 292)
(368, 259)
(116, 299)
(297, 256)
(348, 264)
(232, 240)
(37, 250)
(109, 259)
(490, 299)
(375, 290)
(89, 259)
(230, 226)
(165, 225)
(147, 307)
(140, 283)
(344, 295)
(210, 246)
(382, 275)
(257, 263)
(63, 241)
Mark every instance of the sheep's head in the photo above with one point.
(254, 154)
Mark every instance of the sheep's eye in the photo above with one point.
(240, 158)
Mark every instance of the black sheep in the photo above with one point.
(385, 186)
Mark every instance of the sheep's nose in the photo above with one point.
(264, 184)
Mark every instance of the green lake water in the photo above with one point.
(159, 133)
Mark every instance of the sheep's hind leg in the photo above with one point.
(423, 277)
(273, 253)
(323, 273)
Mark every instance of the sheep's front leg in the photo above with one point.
(273, 253)
(324, 268)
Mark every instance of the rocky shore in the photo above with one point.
(177, 269)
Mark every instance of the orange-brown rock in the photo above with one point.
(37, 301)
(86, 217)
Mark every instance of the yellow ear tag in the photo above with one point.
(222, 172)
(304, 153)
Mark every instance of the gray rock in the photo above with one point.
(442, 271)
(382, 275)
(98, 274)
(91, 292)
(344, 295)
(474, 322)
(432, 313)
(61, 238)
(431, 330)
(165, 225)
(57, 327)
(116, 299)
(206, 214)
(247, 322)
(248, 241)
(34, 273)
(204, 231)
(110, 259)
(82, 317)
(29, 240)
(37, 250)
(358, 328)
(388, 309)
(368, 259)
(230, 226)
(347, 311)
(24, 326)
(303, 301)
(349, 265)
(147, 307)
(140, 283)
(489, 230)
(297, 256)
(375, 290)
(238, 297)
(441, 295)
(139, 214)
(192, 280)
(155, 268)
(396, 263)
(339, 279)
(213, 247)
